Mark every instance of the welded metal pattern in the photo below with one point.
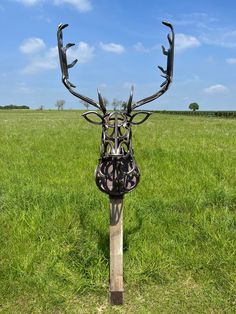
(117, 172)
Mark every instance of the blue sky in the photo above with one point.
(118, 44)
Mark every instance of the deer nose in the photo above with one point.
(116, 122)
(116, 152)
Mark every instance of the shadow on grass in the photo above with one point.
(103, 238)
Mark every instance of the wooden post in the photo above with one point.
(116, 286)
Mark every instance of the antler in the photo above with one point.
(167, 74)
(65, 74)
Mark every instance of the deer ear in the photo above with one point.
(139, 117)
(94, 118)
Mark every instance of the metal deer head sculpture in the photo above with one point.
(117, 172)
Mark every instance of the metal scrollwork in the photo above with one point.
(117, 172)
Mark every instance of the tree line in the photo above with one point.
(222, 114)
(116, 104)
(122, 105)
(14, 107)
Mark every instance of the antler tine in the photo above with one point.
(130, 101)
(65, 66)
(167, 74)
(101, 101)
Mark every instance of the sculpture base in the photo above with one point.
(116, 284)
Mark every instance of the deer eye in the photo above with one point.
(93, 117)
(139, 117)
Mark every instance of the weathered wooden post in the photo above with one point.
(116, 284)
(117, 172)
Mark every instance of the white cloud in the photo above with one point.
(43, 62)
(210, 30)
(29, 2)
(32, 45)
(83, 52)
(220, 37)
(183, 42)
(80, 5)
(140, 47)
(216, 89)
(49, 59)
(198, 19)
(231, 60)
(111, 47)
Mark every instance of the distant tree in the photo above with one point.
(14, 107)
(194, 106)
(40, 108)
(116, 104)
(23, 107)
(85, 104)
(124, 105)
(105, 101)
(60, 104)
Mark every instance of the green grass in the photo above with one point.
(180, 223)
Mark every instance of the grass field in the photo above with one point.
(180, 223)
